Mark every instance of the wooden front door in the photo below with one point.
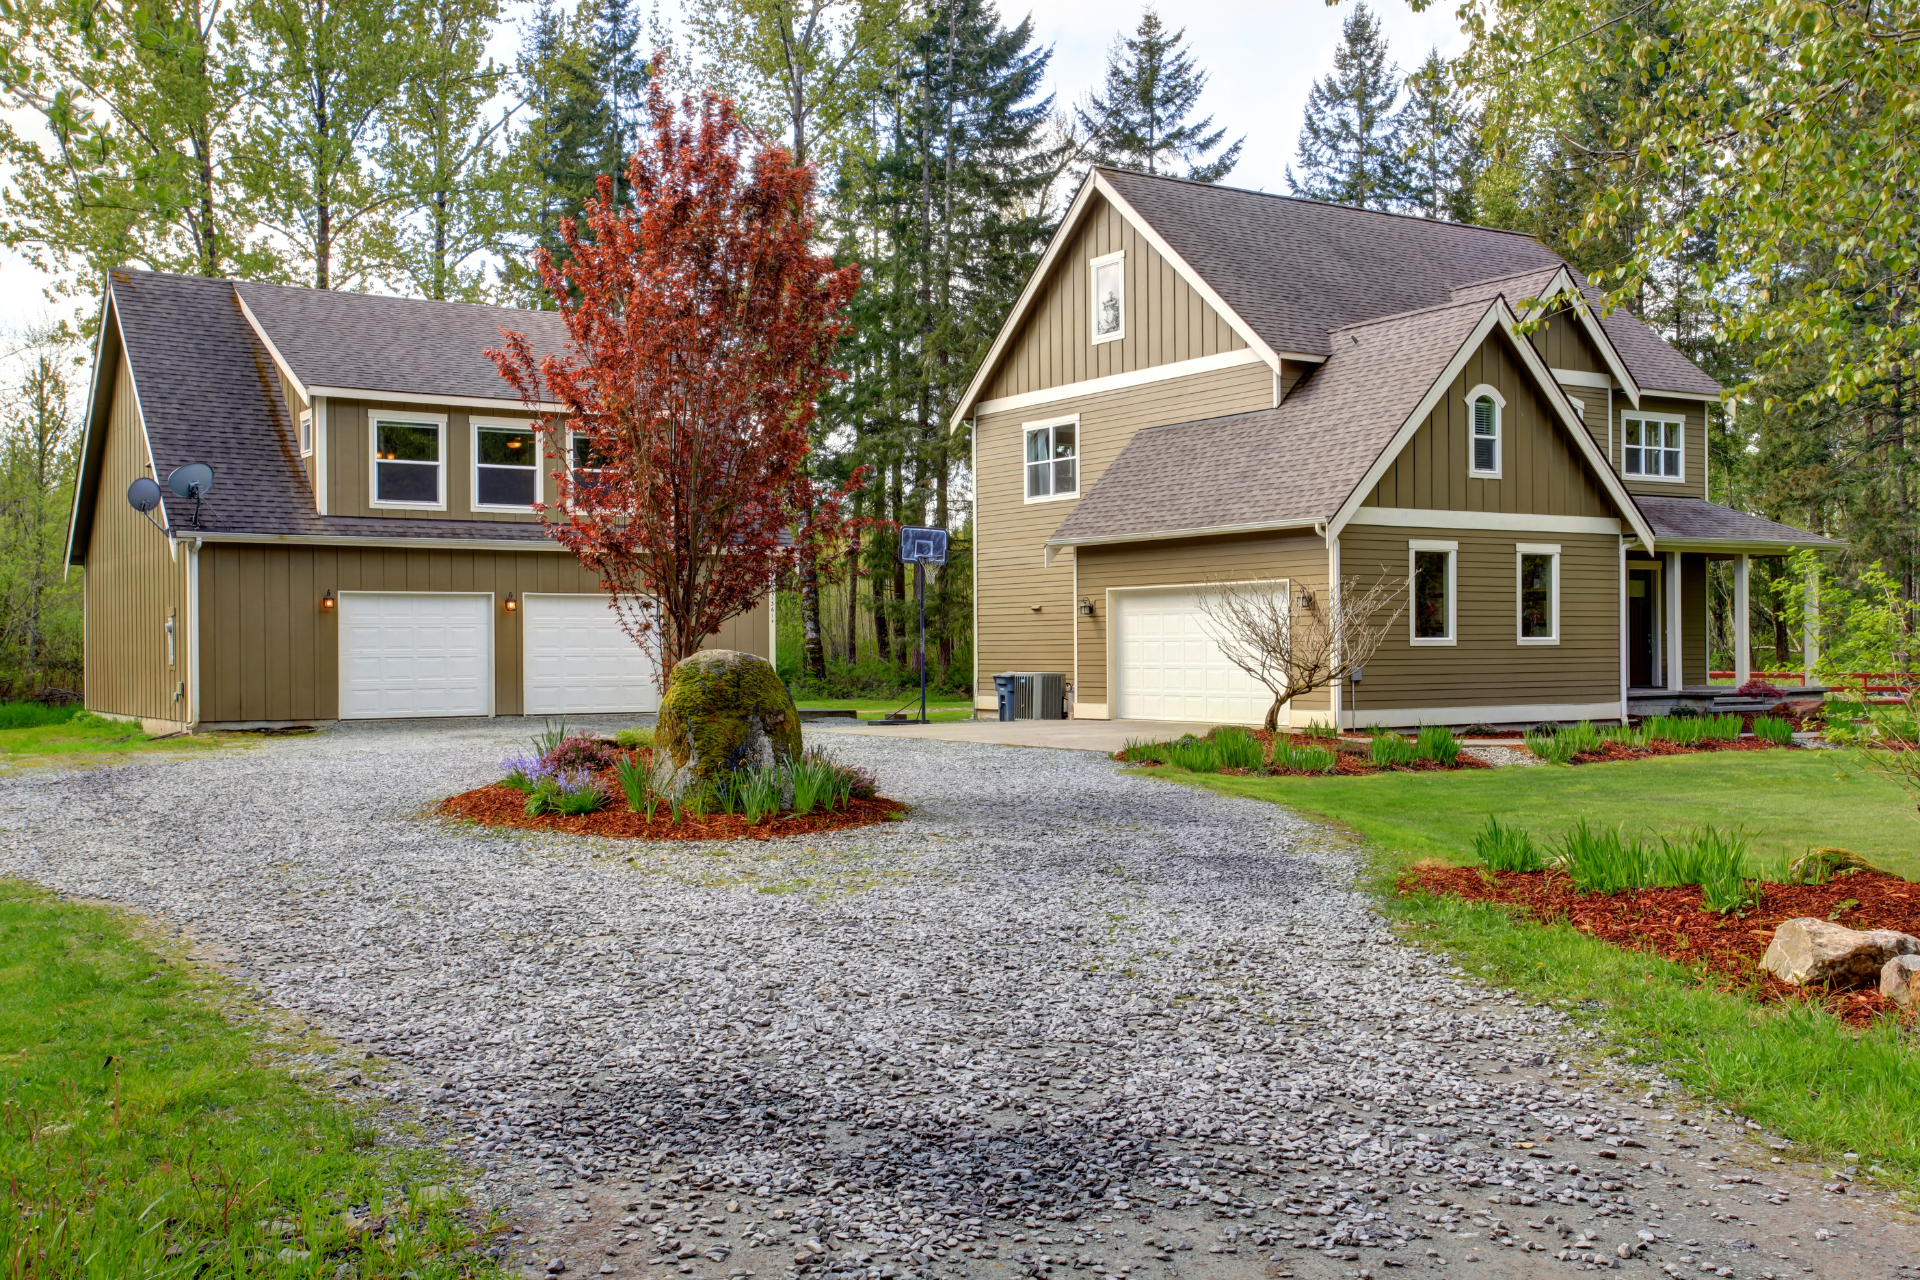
(1643, 628)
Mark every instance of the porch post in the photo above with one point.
(1810, 645)
(1674, 678)
(1742, 607)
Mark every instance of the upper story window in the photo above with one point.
(506, 465)
(306, 433)
(409, 461)
(1485, 407)
(1109, 297)
(1431, 581)
(1652, 448)
(1053, 459)
(585, 464)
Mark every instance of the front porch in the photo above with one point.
(1709, 698)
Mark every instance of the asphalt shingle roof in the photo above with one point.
(1297, 462)
(1295, 270)
(1697, 518)
(208, 393)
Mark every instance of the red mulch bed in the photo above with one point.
(501, 806)
(1612, 751)
(1672, 923)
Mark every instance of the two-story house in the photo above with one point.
(370, 546)
(1202, 385)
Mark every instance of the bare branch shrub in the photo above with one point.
(1291, 640)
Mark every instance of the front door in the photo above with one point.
(1643, 628)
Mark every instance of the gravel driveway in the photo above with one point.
(1060, 1018)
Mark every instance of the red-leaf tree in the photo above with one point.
(701, 323)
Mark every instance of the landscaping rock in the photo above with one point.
(723, 711)
(1808, 950)
(1900, 980)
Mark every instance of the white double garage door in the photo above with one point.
(1169, 666)
(429, 653)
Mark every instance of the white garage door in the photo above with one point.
(1169, 667)
(579, 661)
(408, 654)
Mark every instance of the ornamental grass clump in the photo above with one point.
(634, 739)
(1196, 755)
(1599, 859)
(1710, 858)
(1625, 735)
(1390, 750)
(1288, 753)
(1143, 751)
(1437, 743)
(1774, 729)
(1681, 731)
(1507, 848)
(1235, 748)
(636, 781)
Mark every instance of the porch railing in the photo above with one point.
(1872, 686)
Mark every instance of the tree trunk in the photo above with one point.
(1272, 722)
(814, 656)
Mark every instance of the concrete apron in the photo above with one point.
(1104, 736)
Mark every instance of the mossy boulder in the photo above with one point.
(723, 711)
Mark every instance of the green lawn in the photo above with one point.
(143, 1133)
(86, 735)
(1788, 801)
(875, 708)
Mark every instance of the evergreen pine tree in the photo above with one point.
(1441, 153)
(1351, 149)
(1139, 119)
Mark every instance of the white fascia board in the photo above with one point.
(1498, 315)
(505, 404)
(1562, 282)
(109, 314)
(1751, 546)
(1489, 521)
(416, 544)
(260, 332)
(1701, 396)
(1581, 378)
(1121, 381)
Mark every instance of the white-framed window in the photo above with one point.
(1485, 409)
(506, 465)
(1538, 592)
(409, 459)
(1053, 459)
(1653, 448)
(306, 433)
(584, 467)
(1432, 588)
(1109, 297)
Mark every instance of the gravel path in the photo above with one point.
(1061, 1018)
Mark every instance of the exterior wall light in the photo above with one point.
(1086, 607)
(512, 604)
(326, 601)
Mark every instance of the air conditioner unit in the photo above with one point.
(1039, 695)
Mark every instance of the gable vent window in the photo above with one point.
(1053, 459)
(409, 461)
(1484, 408)
(506, 466)
(1109, 297)
(1652, 448)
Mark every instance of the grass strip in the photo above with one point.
(142, 1133)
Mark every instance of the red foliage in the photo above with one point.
(700, 325)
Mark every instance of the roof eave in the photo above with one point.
(1763, 546)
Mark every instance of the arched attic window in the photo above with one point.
(1485, 408)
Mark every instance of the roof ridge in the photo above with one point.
(389, 297)
(1532, 271)
(1482, 303)
(1325, 204)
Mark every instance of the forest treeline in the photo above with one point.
(1732, 171)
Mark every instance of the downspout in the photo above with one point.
(1625, 668)
(193, 632)
(1333, 606)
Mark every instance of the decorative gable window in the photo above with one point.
(1053, 459)
(506, 466)
(306, 432)
(409, 461)
(1652, 448)
(1431, 581)
(1484, 408)
(1109, 297)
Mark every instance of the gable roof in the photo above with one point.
(1310, 460)
(205, 387)
(1287, 273)
(338, 343)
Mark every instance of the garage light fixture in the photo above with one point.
(326, 601)
(512, 604)
(1086, 607)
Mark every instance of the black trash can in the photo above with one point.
(1003, 688)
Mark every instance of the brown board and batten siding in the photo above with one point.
(1487, 666)
(135, 582)
(269, 652)
(350, 460)
(1541, 469)
(1562, 342)
(1299, 558)
(1165, 319)
(1011, 577)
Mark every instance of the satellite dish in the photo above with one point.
(143, 495)
(195, 480)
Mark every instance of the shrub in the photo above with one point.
(1322, 732)
(551, 735)
(1625, 735)
(1289, 753)
(1724, 728)
(759, 791)
(1507, 848)
(1598, 859)
(524, 770)
(569, 791)
(1557, 744)
(1197, 755)
(1436, 742)
(1775, 729)
(1235, 748)
(1709, 858)
(636, 781)
(578, 751)
(1759, 689)
(849, 781)
(1682, 731)
(634, 739)
(34, 715)
(813, 784)
(1479, 730)
(1142, 751)
(1391, 750)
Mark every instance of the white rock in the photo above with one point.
(1809, 950)
(1900, 980)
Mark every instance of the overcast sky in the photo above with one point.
(1262, 56)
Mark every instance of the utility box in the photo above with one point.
(1039, 695)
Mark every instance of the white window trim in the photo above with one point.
(306, 433)
(1453, 592)
(1537, 549)
(437, 420)
(1047, 424)
(1093, 289)
(1663, 420)
(1499, 432)
(500, 424)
